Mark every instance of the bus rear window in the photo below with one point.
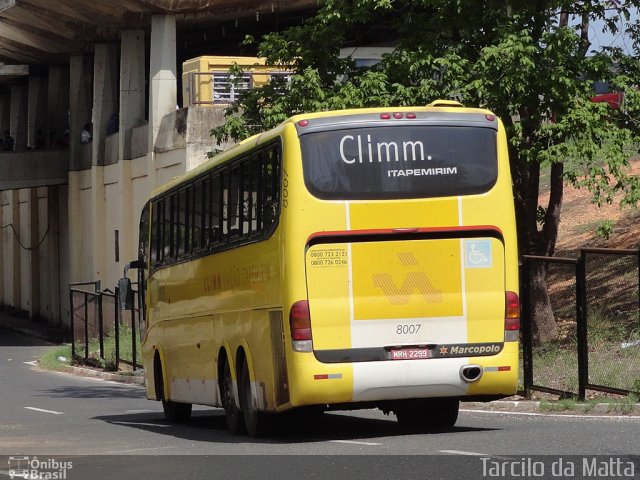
(399, 162)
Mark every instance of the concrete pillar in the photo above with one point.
(105, 96)
(162, 73)
(2, 246)
(18, 117)
(64, 252)
(5, 109)
(132, 104)
(37, 110)
(105, 104)
(52, 258)
(59, 93)
(11, 250)
(30, 259)
(132, 87)
(75, 228)
(80, 105)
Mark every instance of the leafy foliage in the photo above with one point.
(529, 62)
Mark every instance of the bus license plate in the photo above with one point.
(410, 354)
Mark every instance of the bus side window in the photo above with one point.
(179, 209)
(143, 244)
(156, 223)
(257, 214)
(197, 220)
(246, 192)
(215, 204)
(167, 231)
(271, 187)
(225, 207)
(235, 203)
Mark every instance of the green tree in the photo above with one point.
(529, 61)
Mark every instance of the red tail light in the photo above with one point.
(512, 312)
(300, 321)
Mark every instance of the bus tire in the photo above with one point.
(233, 416)
(428, 413)
(256, 422)
(174, 412)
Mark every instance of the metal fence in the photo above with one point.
(97, 321)
(595, 302)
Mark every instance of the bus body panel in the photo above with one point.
(413, 292)
(394, 380)
(180, 302)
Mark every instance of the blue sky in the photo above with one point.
(598, 38)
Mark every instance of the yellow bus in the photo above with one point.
(348, 259)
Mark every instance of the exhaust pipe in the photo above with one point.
(471, 373)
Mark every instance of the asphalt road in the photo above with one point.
(109, 430)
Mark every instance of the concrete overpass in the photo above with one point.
(69, 210)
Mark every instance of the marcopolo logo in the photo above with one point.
(486, 349)
(470, 349)
(37, 469)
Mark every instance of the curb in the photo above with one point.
(113, 377)
(531, 406)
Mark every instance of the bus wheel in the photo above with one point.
(444, 412)
(255, 421)
(174, 412)
(428, 413)
(232, 414)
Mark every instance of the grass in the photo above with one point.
(108, 361)
(616, 405)
(610, 364)
(49, 360)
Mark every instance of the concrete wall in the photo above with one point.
(63, 218)
(67, 205)
(34, 254)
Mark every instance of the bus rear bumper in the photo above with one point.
(320, 383)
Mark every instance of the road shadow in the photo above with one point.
(92, 392)
(210, 426)
(9, 338)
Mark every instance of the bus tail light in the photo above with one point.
(511, 317)
(300, 325)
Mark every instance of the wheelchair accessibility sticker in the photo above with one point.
(477, 254)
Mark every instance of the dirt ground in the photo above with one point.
(580, 219)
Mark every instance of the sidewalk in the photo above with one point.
(40, 330)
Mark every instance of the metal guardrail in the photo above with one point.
(597, 297)
(96, 315)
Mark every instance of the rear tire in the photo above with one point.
(233, 416)
(256, 422)
(174, 412)
(427, 414)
